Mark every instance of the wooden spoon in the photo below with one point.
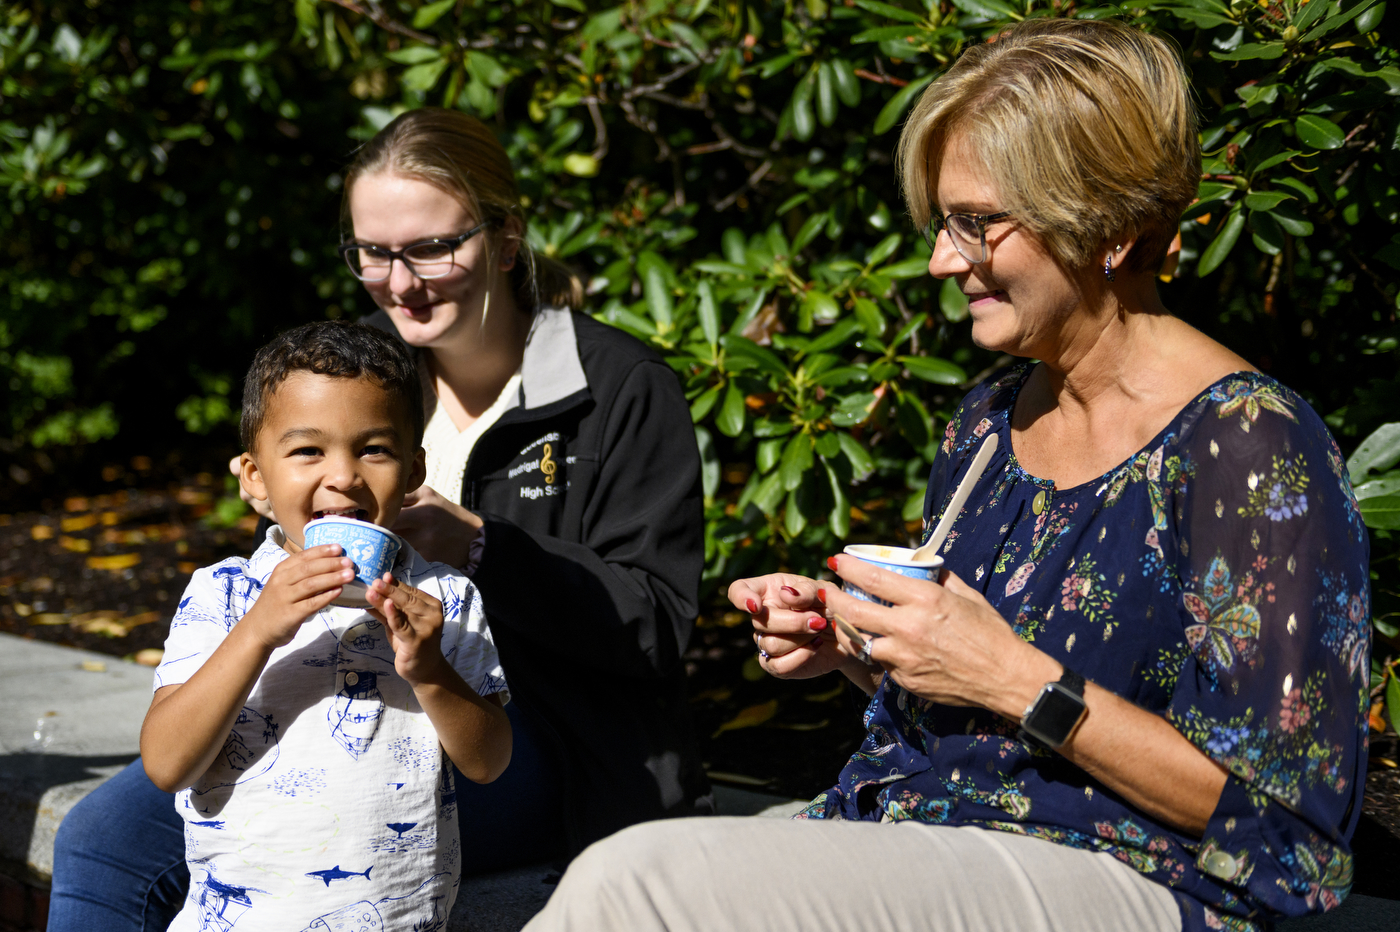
(950, 514)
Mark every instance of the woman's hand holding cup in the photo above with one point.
(940, 640)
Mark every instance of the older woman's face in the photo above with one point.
(1020, 301)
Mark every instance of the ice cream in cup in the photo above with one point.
(895, 559)
(371, 547)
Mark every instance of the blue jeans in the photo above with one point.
(119, 859)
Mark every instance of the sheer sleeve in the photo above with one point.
(1275, 651)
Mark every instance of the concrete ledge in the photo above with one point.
(95, 715)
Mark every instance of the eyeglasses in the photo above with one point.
(967, 231)
(429, 259)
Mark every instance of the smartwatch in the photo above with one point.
(1052, 717)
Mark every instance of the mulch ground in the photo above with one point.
(105, 573)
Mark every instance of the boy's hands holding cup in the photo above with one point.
(414, 620)
(299, 587)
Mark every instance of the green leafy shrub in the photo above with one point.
(720, 174)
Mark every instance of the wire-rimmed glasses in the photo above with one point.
(967, 231)
(429, 259)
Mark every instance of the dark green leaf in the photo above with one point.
(889, 10)
(847, 84)
(1308, 193)
(1318, 132)
(1265, 200)
(839, 519)
(731, 414)
(891, 113)
(701, 406)
(868, 313)
(767, 427)
(769, 452)
(862, 464)
(817, 305)
(1377, 453)
(1268, 237)
(809, 231)
(738, 347)
(430, 13)
(769, 493)
(797, 459)
(1220, 247)
(842, 375)
(839, 333)
(709, 462)
(1336, 22)
(772, 66)
(414, 55)
(932, 369)
(1266, 51)
(914, 324)
(853, 409)
(1381, 512)
(914, 422)
(1276, 159)
(826, 94)
(658, 296)
(707, 312)
(794, 520)
(883, 249)
(1392, 700)
(1292, 220)
(906, 268)
(951, 300)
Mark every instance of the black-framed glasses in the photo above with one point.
(967, 231)
(429, 259)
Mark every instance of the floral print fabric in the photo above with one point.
(1218, 578)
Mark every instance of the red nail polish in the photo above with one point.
(831, 563)
(821, 596)
(792, 590)
(816, 623)
(815, 642)
(752, 606)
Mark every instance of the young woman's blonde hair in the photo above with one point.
(1086, 129)
(459, 154)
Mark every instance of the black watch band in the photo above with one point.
(1052, 717)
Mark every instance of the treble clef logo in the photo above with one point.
(548, 466)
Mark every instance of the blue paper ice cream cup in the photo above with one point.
(371, 547)
(895, 559)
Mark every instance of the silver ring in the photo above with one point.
(864, 652)
(762, 654)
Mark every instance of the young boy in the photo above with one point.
(306, 740)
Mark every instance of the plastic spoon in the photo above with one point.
(950, 514)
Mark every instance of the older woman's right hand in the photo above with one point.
(791, 628)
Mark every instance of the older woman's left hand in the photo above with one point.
(440, 530)
(942, 641)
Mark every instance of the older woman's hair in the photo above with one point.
(459, 154)
(1085, 128)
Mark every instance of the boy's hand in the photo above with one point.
(414, 620)
(298, 588)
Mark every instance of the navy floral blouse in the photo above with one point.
(1218, 578)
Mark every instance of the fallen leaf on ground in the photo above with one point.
(79, 523)
(150, 657)
(753, 670)
(803, 726)
(94, 666)
(75, 544)
(116, 562)
(41, 532)
(109, 518)
(718, 694)
(748, 718)
(49, 618)
(187, 566)
(838, 690)
(76, 503)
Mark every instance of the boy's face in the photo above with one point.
(332, 446)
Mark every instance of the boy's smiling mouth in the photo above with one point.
(351, 512)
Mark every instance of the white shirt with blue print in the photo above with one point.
(331, 807)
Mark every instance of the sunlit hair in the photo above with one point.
(459, 154)
(1085, 128)
(339, 349)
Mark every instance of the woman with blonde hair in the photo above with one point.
(1136, 697)
(563, 477)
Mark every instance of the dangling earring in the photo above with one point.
(1108, 272)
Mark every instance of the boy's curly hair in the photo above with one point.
(335, 348)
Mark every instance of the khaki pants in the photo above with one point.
(723, 874)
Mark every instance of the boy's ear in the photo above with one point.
(250, 478)
(418, 472)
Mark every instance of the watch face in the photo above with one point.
(1056, 713)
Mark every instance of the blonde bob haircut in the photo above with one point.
(458, 154)
(1086, 129)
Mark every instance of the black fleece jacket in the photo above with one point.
(589, 488)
